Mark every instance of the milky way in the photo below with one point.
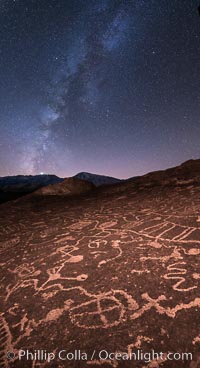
(111, 87)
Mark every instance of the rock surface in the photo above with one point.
(69, 186)
(116, 269)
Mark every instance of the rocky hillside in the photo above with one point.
(69, 187)
(185, 174)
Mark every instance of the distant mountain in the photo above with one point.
(26, 183)
(97, 180)
(13, 187)
(69, 187)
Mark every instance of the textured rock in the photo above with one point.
(69, 186)
(115, 270)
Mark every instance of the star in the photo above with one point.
(101, 86)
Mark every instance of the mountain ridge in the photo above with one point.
(97, 179)
(12, 187)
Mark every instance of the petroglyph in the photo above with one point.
(196, 340)
(5, 341)
(120, 270)
(176, 270)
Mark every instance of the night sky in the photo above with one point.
(110, 87)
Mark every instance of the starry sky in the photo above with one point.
(110, 87)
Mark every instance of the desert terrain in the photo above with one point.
(115, 269)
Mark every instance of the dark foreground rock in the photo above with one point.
(113, 271)
(13, 187)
